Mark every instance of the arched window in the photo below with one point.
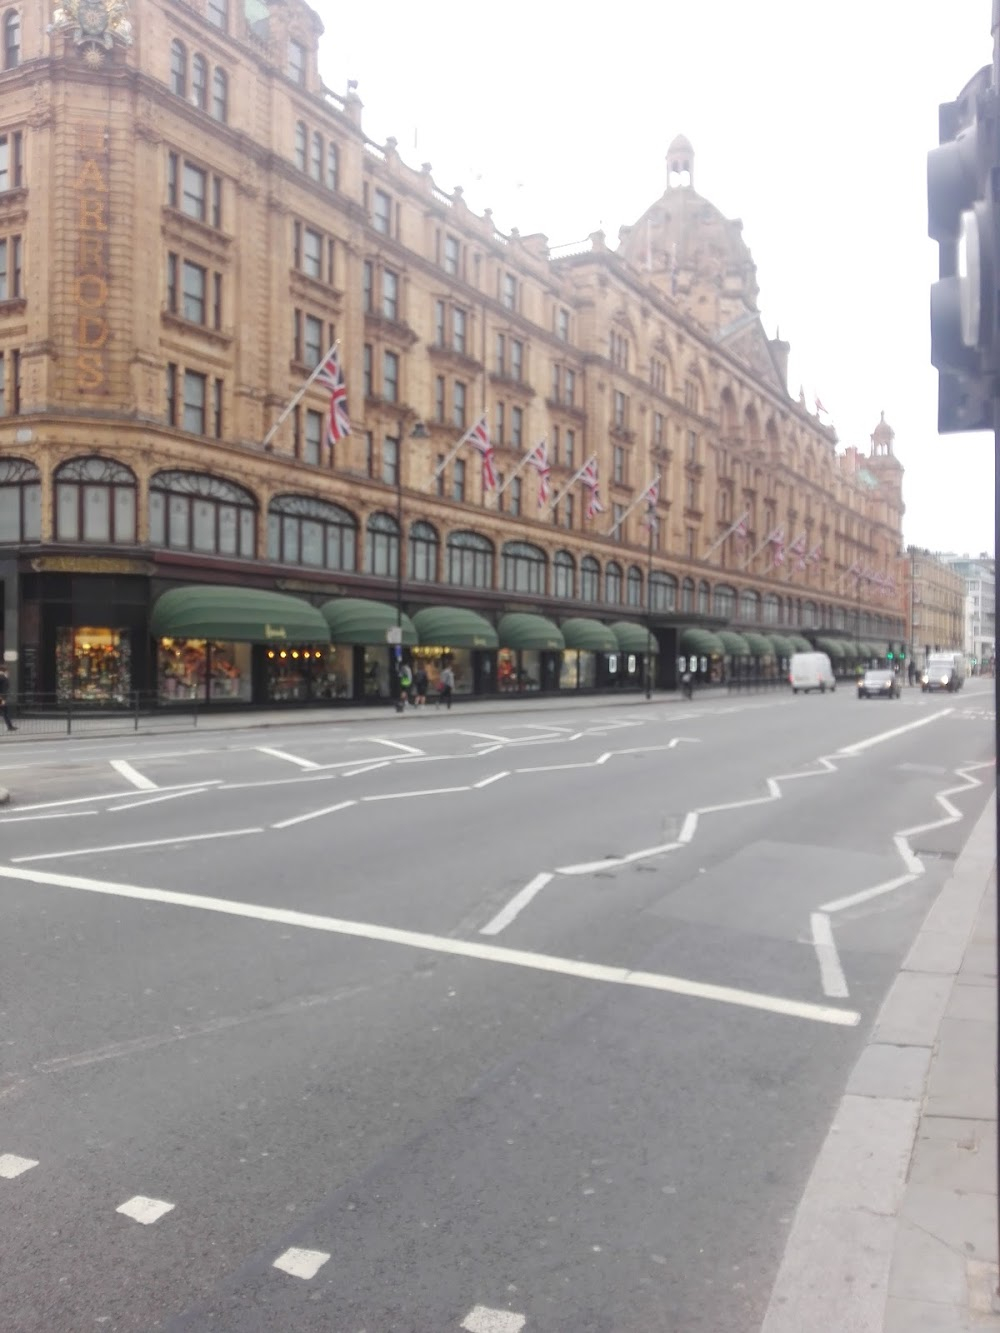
(703, 596)
(470, 560)
(809, 616)
(302, 531)
(687, 595)
(634, 586)
(178, 68)
(839, 618)
(613, 583)
(662, 592)
(770, 609)
(20, 501)
(95, 501)
(724, 602)
(192, 511)
(382, 545)
(563, 575)
(199, 82)
(220, 95)
(524, 568)
(316, 157)
(332, 166)
(423, 563)
(590, 579)
(11, 39)
(749, 605)
(301, 145)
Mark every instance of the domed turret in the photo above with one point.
(680, 164)
(882, 438)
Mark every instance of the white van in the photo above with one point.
(811, 671)
(944, 671)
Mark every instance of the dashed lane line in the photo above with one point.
(155, 800)
(517, 904)
(12, 1166)
(483, 1319)
(133, 775)
(306, 764)
(135, 846)
(314, 814)
(574, 968)
(488, 782)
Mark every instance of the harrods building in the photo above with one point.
(190, 219)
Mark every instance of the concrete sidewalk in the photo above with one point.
(897, 1229)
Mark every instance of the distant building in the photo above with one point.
(937, 605)
(978, 574)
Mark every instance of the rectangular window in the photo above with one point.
(508, 292)
(516, 358)
(313, 443)
(312, 341)
(501, 413)
(382, 213)
(217, 300)
(332, 166)
(194, 278)
(692, 442)
(500, 362)
(297, 62)
(390, 461)
(390, 377)
(173, 171)
(15, 376)
(367, 286)
(390, 294)
(514, 491)
(439, 326)
(439, 398)
(458, 404)
(368, 387)
(458, 324)
(690, 542)
(217, 409)
(217, 12)
(171, 387)
(692, 494)
(562, 325)
(516, 426)
(619, 465)
(194, 402)
(312, 253)
(439, 475)
(11, 161)
(369, 454)
(658, 428)
(452, 255)
(3, 385)
(217, 201)
(172, 264)
(458, 480)
(620, 403)
(568, 508)
(570, 387)
(316, 157)
(617, 521)
(556, 383)
(193, 198)
(570, 448)
(554, 452)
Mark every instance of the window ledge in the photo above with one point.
(459, 360)
(221, 337)
(513, 385)
(16, 305)
(202, 230)
(395, 330)
(316, 288)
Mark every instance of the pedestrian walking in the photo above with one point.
(420, 684)
(446, 684)
(4, 690)
(405, 685)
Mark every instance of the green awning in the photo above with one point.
(834, 648)
(799, 644)
(734, 644)
(760, 644)
(702, 642)
(852, 649)
(634, 638)
(519, 629)
(782, 647)
(590, 635)
(244, 615)
(358, 620)
(871, 650)
(454, 627)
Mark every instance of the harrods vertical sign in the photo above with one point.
(91, 289)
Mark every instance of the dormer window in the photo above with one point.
(297, 62)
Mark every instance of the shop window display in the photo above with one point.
(93, 665)
(199, 671)
(519, 677)
(297, 675)
(578, 670)
(434, 660)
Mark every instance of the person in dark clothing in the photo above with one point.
(420, 682)
(4, 689)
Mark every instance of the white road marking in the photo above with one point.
(576, 736)
(688, 827)
(146, 1211)
(865, 895)
(106, 796)
(831, 973)
(12, 1166)
(314, 814)
(132, 775)
(516, 905)
(368, 768)
(290, 758)
(481, 1319)
(489, 953)
(396, 745)
(57, 814)
(483, 735)
(301, 1263)
(490, 749)
(133, 846)
(683, 740)
(561, 768)
(861, 746)
(155, 800)
(912, 862)
(609, 862)
(402, 795)
(488, 782)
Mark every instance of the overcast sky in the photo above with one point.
(809, 121)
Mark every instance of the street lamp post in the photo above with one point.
(419, 432)
(650, 521)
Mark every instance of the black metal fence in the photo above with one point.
(47, 715)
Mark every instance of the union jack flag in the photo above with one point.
(777, 541)
(539, 460)
(479, 438)
(798, 549)
(589, 478)
(331, 376)
(816, 554)
(652, 496)
(742, 530)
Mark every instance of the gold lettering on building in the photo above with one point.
(91, 291)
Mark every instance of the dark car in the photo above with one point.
(878, 684)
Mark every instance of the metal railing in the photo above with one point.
(51, 715)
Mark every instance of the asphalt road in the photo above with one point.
(488, 1023)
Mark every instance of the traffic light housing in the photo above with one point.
(890, 654)
(963, 216)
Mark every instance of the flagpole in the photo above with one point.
(300, 395)
(728, 533)
(573, 480)
(523, 463)
(446, 460)
(754, 554)
(634, 505)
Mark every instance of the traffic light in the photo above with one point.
(962, 216)
(890, 654)
(902, 652)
